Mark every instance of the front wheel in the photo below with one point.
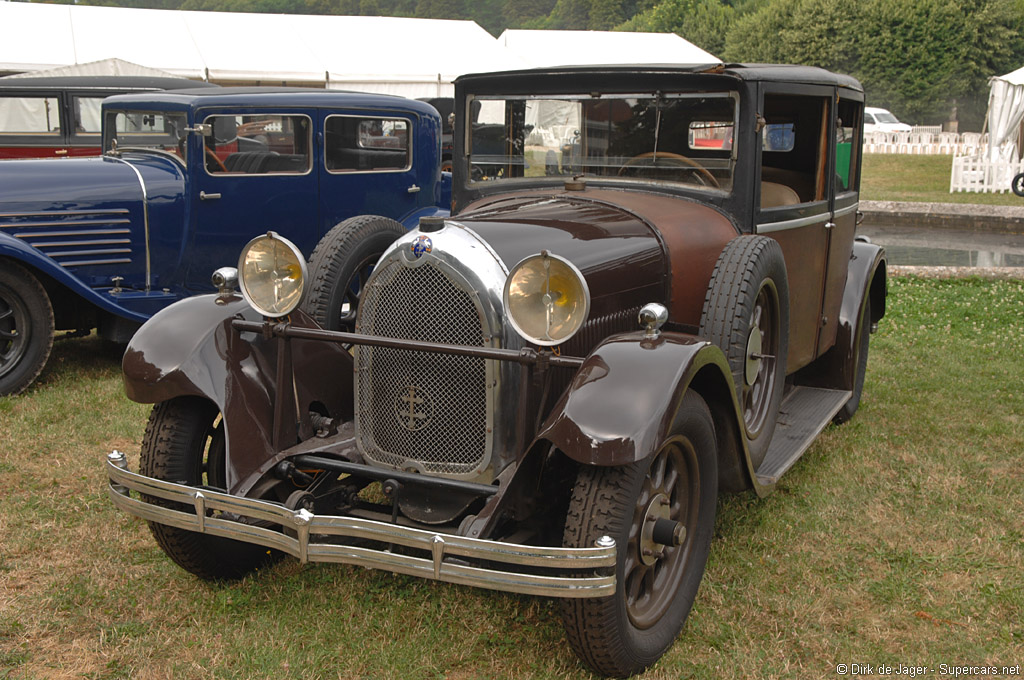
(26, 328)
(184, 443)
(1018, 184)
(661, 513)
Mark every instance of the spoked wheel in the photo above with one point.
(746, 313)
(184, 443)
(1017, 184)
(26, 328)
(661, 513)
(340, 266)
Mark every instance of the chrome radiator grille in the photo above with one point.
(428, 410)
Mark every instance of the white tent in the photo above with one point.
(565, 48)
(1005, 114)
(409, 57)
(103, 67)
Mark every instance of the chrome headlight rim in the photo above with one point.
(244, 284)
(509, 307)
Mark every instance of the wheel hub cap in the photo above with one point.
(753, 366)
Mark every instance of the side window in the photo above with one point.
(29, 115)
(848, 148)
(365, 144)
(86, 111)
(794, 156)
(258, 144)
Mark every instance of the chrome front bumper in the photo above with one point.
(596, 564)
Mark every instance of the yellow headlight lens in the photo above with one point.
(546, 299)
(271, 271)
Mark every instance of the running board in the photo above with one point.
(804, 413)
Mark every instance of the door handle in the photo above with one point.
(203, 196)
(413, 189)
(60, 152)
(830, 225)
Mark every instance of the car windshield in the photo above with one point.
(675, 138)
(885, 117)
(160, 130)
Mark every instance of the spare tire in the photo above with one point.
(340, 265)
(746, 313)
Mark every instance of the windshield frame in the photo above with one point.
(157, 142)
(724, 165)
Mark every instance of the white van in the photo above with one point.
(880, 120)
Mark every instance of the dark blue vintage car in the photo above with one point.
(188, 178)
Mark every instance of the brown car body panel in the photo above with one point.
(665, 246)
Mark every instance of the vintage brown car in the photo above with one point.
(650, 291)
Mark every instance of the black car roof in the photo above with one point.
(618, 75)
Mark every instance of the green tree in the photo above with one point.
(570, 14)
(704, 23)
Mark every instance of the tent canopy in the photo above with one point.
(374, 54)
(577, 48)
(1005, 113)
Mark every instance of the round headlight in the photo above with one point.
(546, 299)
(271, 271)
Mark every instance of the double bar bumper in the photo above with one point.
(589, 571)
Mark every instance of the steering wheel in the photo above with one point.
(210, 155)
(677, 161)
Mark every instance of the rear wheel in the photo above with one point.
(341, 264)
(26, 328)
(661, 513)
(860, 363)
(1018, 184)
(746, 313)
(184, 443)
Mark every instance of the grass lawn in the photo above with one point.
(897, 539)
(901, 177)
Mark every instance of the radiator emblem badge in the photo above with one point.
(421, 246)
(414, 408)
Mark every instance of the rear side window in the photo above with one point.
(29, 115)
(847, 146)
(87, 115)
(258, 144)
(365, 144)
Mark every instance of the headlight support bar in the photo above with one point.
(526, 356)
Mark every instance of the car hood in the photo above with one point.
(74, 184)
(632, 247)
(619, 254)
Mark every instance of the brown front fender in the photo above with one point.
(190, 349)
(623, 399)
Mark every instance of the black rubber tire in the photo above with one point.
(860, 363)
(184, 443)
(340, 265)
(26, 328)
(624, 633)
(749, 288)
(1017, 184)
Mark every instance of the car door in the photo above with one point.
(374, 164)
(252, 173)
(795, 204)
(844, 197)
